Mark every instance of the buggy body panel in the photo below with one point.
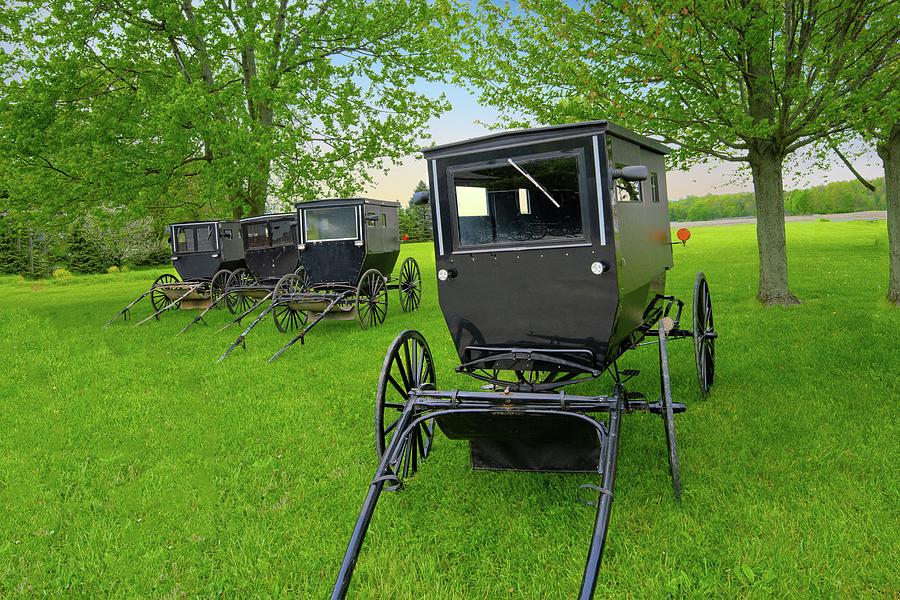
(541, 294)
(201, 248)
(270, 245)
(341, 238)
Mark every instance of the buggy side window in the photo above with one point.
(184, 240)
(627, 191)
(226, 234)
(654, 187)
(384, 219)
(257, 235)
(205, 239)
(371, 219)
(518, 200)
(281, 233)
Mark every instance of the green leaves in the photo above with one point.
(160, 105)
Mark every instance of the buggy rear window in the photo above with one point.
(195, 238)
(331, 224)
(518, 201)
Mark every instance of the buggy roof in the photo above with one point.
(271, 217)
(519, 137)
(195, 223)
(324, 202)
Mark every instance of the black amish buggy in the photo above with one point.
(204, 253)
(271, 256)
(551, 247)
(349, 247)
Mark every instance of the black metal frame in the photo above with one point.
(424, 404)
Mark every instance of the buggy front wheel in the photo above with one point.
(410, 285)
(158, 298)
(408, 366)
(217, 287)
(371, 299)
(287, 318)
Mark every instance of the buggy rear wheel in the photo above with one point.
(371, 299)
(407, 366)
(286, 317)
(157, 298)
(235, 301)
(704, 335)
(217, 287)
(410, 285)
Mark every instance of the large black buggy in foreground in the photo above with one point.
(204, 254)
(551, 246)
(349, 248)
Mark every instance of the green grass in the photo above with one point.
(132, 465)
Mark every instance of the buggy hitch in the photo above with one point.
(431, 404)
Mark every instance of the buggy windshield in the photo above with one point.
(518, 201)
(194, 238)
(331, 224)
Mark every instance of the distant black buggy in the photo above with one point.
(270, 255)
(349, 249)
(552, 247)
(204, 253)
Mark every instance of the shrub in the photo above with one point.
(113, 269)
(61, 274)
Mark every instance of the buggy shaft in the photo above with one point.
(604, 506)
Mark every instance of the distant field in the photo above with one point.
(132, 465)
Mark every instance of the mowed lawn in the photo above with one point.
(133, 465)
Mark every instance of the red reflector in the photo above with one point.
(684, 234)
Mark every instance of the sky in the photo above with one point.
(717, 177)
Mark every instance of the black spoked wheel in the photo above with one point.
(217, 287)
(157, 298)
(704, 335)
(304, 276)
(407, 366)
(668, 415)
(234, 300)
(410, 285)
(288, 318)
(371, 299)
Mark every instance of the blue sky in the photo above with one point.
(712, 178)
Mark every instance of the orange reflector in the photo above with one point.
(684, 234)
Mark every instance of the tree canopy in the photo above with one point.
(217, 104)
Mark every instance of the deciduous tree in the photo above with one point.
(744, 81)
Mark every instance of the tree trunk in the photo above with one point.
(258, 188)
(889, 151)
(766, 164)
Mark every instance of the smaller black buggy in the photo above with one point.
(349, 247)
(204, 253)
(270, 254)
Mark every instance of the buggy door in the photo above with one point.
(332, 241)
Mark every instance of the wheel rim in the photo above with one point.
(410, 285)
(157, 298)
(704, 335)
(371, 300)
(286, 317)
(407, 366)
(217, 287)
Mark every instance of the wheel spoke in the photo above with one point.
(403, 393)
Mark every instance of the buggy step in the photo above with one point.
(635, 396)
(629, 373)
